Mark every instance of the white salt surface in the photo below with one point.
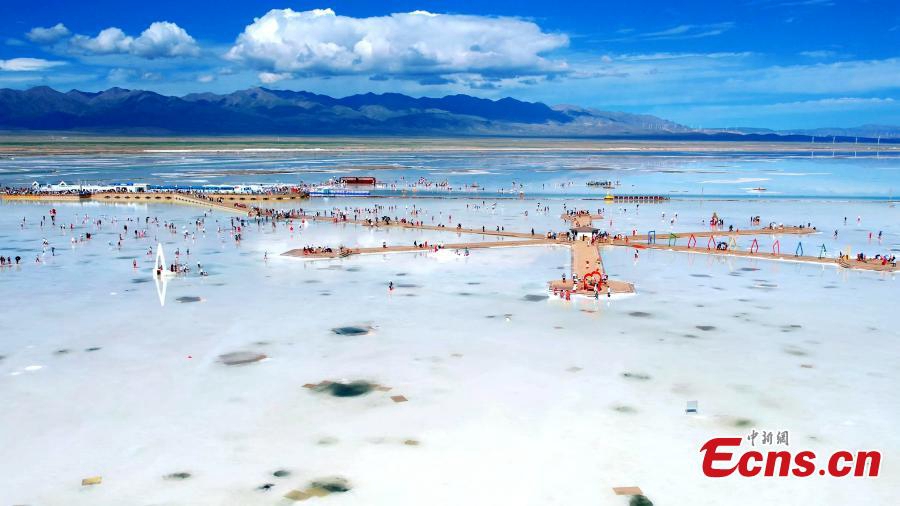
(511, 401)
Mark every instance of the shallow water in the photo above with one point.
(535, 173)
(509, 398)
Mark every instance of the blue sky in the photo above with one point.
(760, 63)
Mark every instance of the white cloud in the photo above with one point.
(160, 40)
(680, 32)
(273, 77)
(413, 45)
(854, 76)
(109, 41)
(819, 54)
(206, 78)
(689, 31)
(120, 75)
(28, 64)
(47, 35)
(810, 106)
(164, 39)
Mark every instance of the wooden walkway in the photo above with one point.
(461, 246)
(869, 265)
(397, 224)
(586, 257)
(234, 203)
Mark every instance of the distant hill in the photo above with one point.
(282, 112)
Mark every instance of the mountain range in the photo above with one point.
(281, 112)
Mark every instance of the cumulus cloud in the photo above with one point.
(161, 39)
(273, 77)
(47, 35)
(28, 64)
(417, 45)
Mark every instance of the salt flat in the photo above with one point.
(510, 398)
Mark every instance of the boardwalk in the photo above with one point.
(586, 259)
(869, 265)
(460, 246)
(231, 202)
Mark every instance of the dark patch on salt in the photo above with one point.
(624, 409)
(743, 422)
(797, 352)
(61, 352)
(92, 348)
(706, 328)
(473, 283)
(177, 476)
(636, 376)
(138, 281)
(265, 487)
(351, 330)
(465, 294)
(333, 485)
(353, 269)
(188, 298)
(535, 298)
(281, 473)
(353, 389)
(690, 336)
(407, 285)
(639, 314)
(639, 500)
(401, 274)
(410, 295)
(312, 281)
(701, 275)
(749, 269)
(241, 357)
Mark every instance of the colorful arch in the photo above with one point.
(584, 281)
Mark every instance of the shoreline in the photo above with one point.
(42, 144)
